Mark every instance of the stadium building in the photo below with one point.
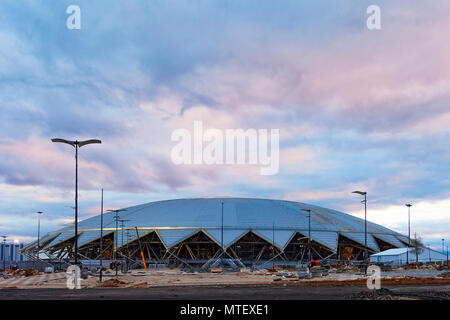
(194, 231)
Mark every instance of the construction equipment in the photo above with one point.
(140, 248)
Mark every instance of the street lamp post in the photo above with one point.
(39, 232)
(364, 193)
(4, 252)
(221, 240)
(273, 243)
(309, 233)
(447, 255)
(76, 144)
(409, 232)
(101, 239)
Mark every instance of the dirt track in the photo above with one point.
(140, 279)
(228, 293)
(362, 282)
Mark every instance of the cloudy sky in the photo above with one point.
(356, 108)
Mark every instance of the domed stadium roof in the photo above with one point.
(275, 221)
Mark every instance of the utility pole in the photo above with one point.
(364, 193)
(39, 231)
(122, 224)
(409, 232)
(309, 234)
(116, 219)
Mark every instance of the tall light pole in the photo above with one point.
(221, 240)
(273, 243)
(116, 219)
(447, 257)
(409, 232)
(39, 232)
(443, 251)
(4, 252)
(101, 239)
(309, 233)
(364, 193)
(76, 144)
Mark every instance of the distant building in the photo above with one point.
(397, 256)
(10, 252)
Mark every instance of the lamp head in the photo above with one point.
(72, 143)
(91, 141)
(76, 142)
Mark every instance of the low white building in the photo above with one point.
(397, 256)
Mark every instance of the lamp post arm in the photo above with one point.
(83, 143)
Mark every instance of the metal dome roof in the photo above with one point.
(276, 221)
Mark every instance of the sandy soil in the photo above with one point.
(171, 278)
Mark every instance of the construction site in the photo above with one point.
(195, 233)
(228, 242)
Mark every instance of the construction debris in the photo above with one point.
(274, 268)
(112, 283)
(21, 272)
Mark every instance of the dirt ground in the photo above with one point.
(171, 278)
(233, 293)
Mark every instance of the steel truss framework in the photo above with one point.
(198, 248)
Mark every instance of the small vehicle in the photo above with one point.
(314, 263)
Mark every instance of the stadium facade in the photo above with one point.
(194, 231)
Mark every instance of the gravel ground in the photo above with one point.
(173, 278)
(412, 273)
(234, 293)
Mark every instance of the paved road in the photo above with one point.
(209, 293)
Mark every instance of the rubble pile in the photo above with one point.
(112, 283)
(381, 294)
(444, 274)
(18, 273)
(386, 294)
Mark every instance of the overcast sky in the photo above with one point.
(356, 108)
